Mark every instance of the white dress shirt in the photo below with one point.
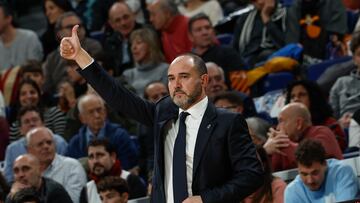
(192, 127)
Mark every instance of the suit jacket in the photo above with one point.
(225, 167)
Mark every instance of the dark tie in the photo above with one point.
(179, 162)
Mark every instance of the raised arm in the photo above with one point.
(71, 49)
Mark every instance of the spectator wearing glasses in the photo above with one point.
(54, 65)
(29, 118)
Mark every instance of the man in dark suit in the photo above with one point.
(208, 150)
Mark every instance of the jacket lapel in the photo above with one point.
(206, 127)
(169, 111)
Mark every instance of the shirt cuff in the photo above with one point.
(92, 61)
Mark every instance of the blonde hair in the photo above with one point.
(149, 37)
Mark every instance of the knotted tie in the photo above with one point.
(179, 162)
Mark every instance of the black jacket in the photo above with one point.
(225, 167)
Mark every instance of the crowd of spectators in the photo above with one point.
(60, 142)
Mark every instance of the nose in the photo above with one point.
(309, 179)
(20, 174)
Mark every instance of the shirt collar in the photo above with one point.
(56, 161)
(90, 135)
(197, 111)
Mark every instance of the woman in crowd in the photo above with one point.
(29, 94)
(150, 65)
(310, 94)
(53, 10)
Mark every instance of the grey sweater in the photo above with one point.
(345, 94)
(139, 76)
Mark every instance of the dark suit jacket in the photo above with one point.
(225, 167)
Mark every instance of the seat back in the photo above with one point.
(314, 71)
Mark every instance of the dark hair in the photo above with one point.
(28, 81)
(26, 195)
(106, 60)
(65, 5)
(355, 41)
(102, 142)
(4, 187)
(310, 151)
(7, 9)
(265, 190)
(146, 96)
(24, 109)
(231, 96)
(199, 16)
(113, 183)
(31, 66)
(319, 108)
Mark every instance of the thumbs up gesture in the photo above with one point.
(70, 46)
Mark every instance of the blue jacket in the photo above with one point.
(126, 150)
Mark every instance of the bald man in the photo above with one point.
(123, 21)
(28, 174)
(295, 126)
(64, 170)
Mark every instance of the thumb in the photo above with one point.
(74, 31)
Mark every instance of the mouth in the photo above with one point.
(179, 92)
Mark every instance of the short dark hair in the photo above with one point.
(102, 142)
(310, 151)
(24, 109)
(65, 5)
(199, 16)
(31, 66)
(113, 183)
(26, 195)
(231, 96)
(7, 9)
(59, 21)
(355, 41)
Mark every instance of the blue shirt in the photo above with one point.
(18, 148)
(340, 184)
(90, 136)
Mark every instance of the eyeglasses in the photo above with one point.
(69, 27)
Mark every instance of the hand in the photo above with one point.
(276, 141)
(70, 46)
(344, 121)
(193, 199)
(267, 10)
(16, 187)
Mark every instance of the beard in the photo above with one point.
(99, 170)
(185, 100)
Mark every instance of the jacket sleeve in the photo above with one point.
(246, 168)
(117, 96)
